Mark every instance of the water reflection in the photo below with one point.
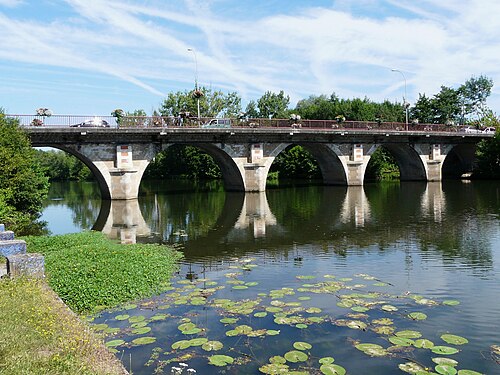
(455, 219)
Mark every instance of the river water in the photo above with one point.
(301, 275)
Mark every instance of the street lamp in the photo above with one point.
(405, 104)
(196, 80)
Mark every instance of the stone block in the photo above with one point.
(6, 235)
(31, 265)
(12, 247)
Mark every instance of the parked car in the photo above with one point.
(92, 123)
(218, 123)
(471, 129)
(489, 130)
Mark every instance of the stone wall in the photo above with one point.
(19, 262)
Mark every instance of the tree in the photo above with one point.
(23, 186)
(212, 103)
(488, 150)
(473, 94)
(446, 106)
(422, 111)
(273, 105)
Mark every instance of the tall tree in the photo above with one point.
(213, 103)
(23, 186)
(273, 105)
(473, 94)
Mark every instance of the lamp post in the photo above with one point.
(196, 81)
(405, 104)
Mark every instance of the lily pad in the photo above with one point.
(332, 369)
(300, 345)
(445, 361)
(301, 326)
(141, 330)
(423, 344)
(410, 367)
(220, 360)
(454, 339)
(468, 372)
(417, 316)
(407, 334)
(295, 356)
(277, 359)
(182, 344)
(373, 350)
(114, 343)
(326, 360)
(260, 314)
(383, 330)
(212, 345)
(274, 368)
(198, 341)
(122, 317)
(229, 320)
(389, 308)
(136, 319)
(445, 370)
(401, 341)
(451, 302)
(444, 350)
(144, 340)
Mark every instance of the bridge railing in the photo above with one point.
(174, 122)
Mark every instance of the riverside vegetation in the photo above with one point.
(88, 272)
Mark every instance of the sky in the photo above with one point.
(93, 56)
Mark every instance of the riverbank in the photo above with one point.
(85, 272)
(40, 335)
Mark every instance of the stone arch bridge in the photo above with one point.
(118, 157)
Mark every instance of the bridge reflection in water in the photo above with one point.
(251, 213)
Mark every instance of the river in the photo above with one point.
(305, 278)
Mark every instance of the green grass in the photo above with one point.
(39, 335)
(90, 272)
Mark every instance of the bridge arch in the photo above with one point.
(103, 184)
(410, 164)
(460, 159)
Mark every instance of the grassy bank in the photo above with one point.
(89, 272)
(40, 335)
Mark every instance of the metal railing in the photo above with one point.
(56, 121)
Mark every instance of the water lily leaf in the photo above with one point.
(444, 350)
(301, 326)
(389, 308)
(243, 329)
(144, 340)
(445, 361)
(326, 360)
(300, 345)
(454, 339)
(356, 324)
(186, 326)
(182, 344)
(469, 372)
(383, 330)
(417, 316)
(401, 341)
(240, 287)
(360, 308)
(158, 317)
(272, 332)
(295, 356)
(192, 331)
(313, 310)
(277, 359)
(257, 333)
(445, 370)
(129, 306)
(495, 349)
(212, 345)
(99, 327)
(228, 320)
(139, 325)
(122, 317)
(305, 277)
(383, 321)
(252, 283)
(332, 369)
(114, 343)
(141, 330)
(198, 341)
(423, 344)
(220, 360)
(136, 319)
(304, 298)
(373, 350)
(410, 367)
(273, 309)
(345, 279)
(232, 333)
(260, 314)
(380, 284)
(274, 368)
(451, 302)
(407, 334)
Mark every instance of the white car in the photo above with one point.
(489, 130)
(471, 129)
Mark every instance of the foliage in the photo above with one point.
(41, 336)
(88, 271)
(296, 162)
(60, 166)
(488, 153)
(213, 103)
(272, 105)
(382, 166)
(454, 105)
(186, 161)
(23, 187)
(330, 108)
